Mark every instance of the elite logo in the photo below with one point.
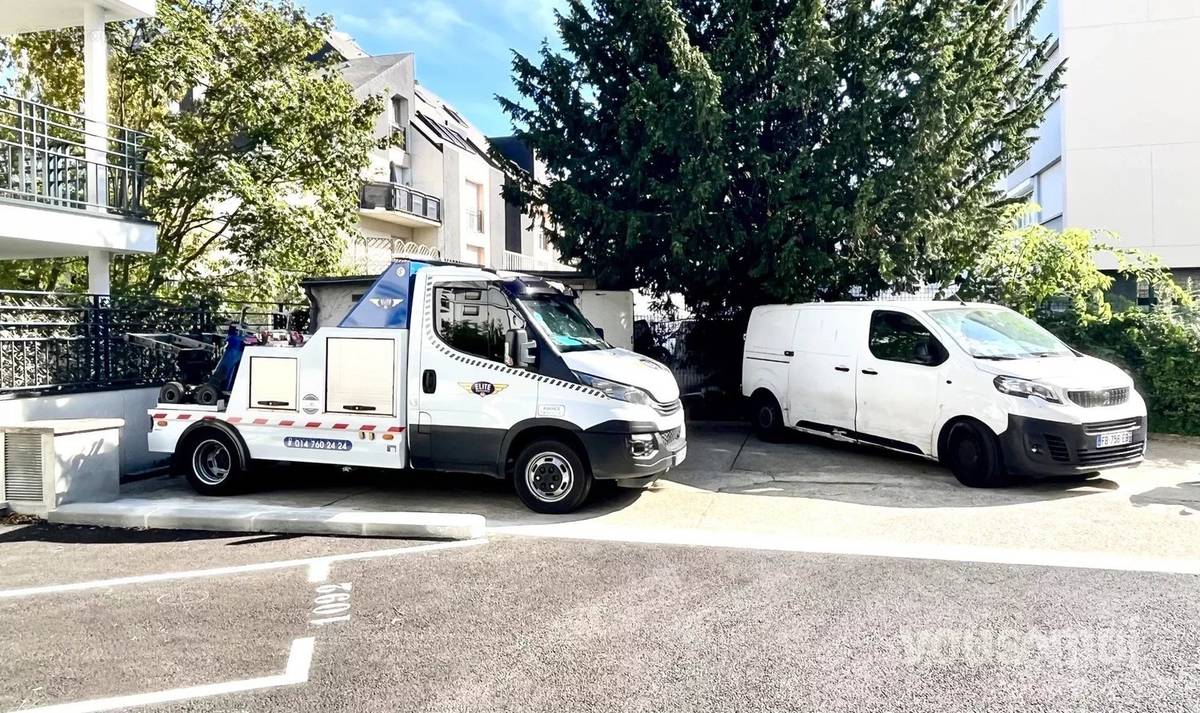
(483, 388)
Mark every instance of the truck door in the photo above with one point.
(468, 397)
(899, 379)
(822, 387)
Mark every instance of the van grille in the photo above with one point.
(1100, 397)
(667, 409)
(1058, 448)
(1115, 454)
(22, 467)
(1123, 424)
(669, 437)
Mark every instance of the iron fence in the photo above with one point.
(62, 343)
(56, 157)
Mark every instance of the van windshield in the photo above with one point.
(562, 322)
(988, 333)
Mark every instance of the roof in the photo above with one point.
(359, 71)
(345, 45)
(919, 305)
(447, 125)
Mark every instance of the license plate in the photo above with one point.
(1119, 438)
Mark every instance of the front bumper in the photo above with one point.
(1038, 447)
(610, 450)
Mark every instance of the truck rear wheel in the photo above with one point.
(974, 457)
(549, 477)
(211, 463)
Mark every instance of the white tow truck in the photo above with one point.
(442, 368)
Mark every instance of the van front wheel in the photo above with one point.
(550, 477)
(973, 454)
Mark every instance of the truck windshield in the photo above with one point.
(998, 334)
(562, 322)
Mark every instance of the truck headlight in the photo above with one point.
(616, 390)
(1025, 388)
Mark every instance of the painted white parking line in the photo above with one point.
(832, 546)
(239, 569)
(318, 571)
(299, 662)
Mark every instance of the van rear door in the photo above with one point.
(822, 385)
(769, 351)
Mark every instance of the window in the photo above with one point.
(399, 129)
(998, 333)
(473, 199)
(476, 255)
(898, 337)
(473, 317)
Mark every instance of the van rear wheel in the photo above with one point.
(549, 477)
(973, 454)
(767, 417)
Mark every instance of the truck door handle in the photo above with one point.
(789, 353)
(357, 407)
(841, 368)
(429, 381)
(870, 372)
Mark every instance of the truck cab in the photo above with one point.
(443, 368)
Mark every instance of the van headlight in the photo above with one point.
(1025, 388)
(615, 390)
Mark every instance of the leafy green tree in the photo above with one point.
(747, 151)
(254, 152)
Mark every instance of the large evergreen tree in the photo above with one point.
(745, 151)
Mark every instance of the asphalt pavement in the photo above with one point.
(204, 622)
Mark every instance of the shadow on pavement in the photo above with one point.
(804, 466)
(82, 535)
(1185, 496)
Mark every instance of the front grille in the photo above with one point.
(1114, 454)
(1058, 448)
(670, 436)
(1100, 397)
(1123, 424)
(668, 409)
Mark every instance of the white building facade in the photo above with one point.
(434, 190)
(1120, 149)
(70, 182)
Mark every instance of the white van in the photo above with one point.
(979, 387)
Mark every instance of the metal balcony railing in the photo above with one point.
(520, 261)
(397, 197)
(58, 158)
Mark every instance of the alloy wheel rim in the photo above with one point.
(211, 462)
(549, 477)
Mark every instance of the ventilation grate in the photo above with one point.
(22, 467)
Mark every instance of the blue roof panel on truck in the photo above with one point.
(386, 304)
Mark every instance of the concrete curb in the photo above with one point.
(182, 514)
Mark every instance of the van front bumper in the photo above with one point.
(625, 450)
(1037, 447)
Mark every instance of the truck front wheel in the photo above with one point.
(549, 477)
(210, 462)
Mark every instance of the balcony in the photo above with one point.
(520, 262)
(56, 158)
(399, 204)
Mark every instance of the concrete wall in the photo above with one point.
(128, 404)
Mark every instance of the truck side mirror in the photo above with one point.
(600, 332)
(519, 349)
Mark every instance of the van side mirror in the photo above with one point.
(600, 332)
(519, 350)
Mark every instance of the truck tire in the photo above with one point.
(206, 395)
(171, 392)
(549, 477)
(767, 417)
(209, 460)
(973, 455)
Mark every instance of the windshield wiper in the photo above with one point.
(991, 357)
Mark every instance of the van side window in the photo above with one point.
(896, 336)
(473, 317)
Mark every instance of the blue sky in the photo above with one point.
(463, 47)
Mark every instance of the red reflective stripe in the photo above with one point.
(368, 427)
(260, 422)
(395, 429)
(160, 415)
(312, 424)
(210, 418)
(183, 416)
(287, 423)
(340, 426)
(234, 419)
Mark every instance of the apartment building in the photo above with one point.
(433, 190)
(71, 182)
(1120, 150)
